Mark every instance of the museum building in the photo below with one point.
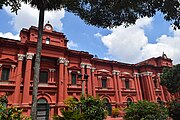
(65, 72)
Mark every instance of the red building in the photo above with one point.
(60, 71)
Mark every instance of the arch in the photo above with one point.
(107, 97)
(46, 96)
(42, 109)
(129, 101)
(108, 106)
(158, 100)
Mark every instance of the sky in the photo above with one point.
(149, 37)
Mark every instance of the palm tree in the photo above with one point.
(41, 5)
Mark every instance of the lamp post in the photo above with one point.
(85, 79)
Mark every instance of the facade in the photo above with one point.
(65, 72)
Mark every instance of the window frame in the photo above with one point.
(43, 71)
(73, 81)
(104, 82)
(6, 76)
(127, 83)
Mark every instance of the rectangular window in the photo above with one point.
(127, 83)
(43, 77)
(73, 79)
(104, 83)
(5, 74)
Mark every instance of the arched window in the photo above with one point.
(127, 83)
(47, 40)
(159, 100)
(42, 109)
(129, 101)
(108, 106)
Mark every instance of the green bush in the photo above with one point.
(145, 110)
(10, 113)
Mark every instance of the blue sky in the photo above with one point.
(148, 38)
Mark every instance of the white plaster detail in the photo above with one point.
(159, 74)
(99, 77)
(70, 71)
(103, 70)
(52, 70)
(126, 73)
(136, 74)
(61, 60)
(87, 65)
(21, 57)
(123, 78)
(78, 72)
(13, 66)
(115, 72)
(146, 73)
(29, 56)
(108, 78)
(0, 65)
(93, 69)
(66, 62)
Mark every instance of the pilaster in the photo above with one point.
(18, 79)
(29, 57)
(115, 85)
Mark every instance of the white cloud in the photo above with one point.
(97, 35)
(131, 44)
(71, 45)
(28, 16)
(10, 35)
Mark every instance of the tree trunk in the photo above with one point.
(37, 65)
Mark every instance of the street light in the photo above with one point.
(83, 81)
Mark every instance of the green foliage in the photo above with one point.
(112, 13)
(171, 78)
(108, 13)
(115, 112)
(145, 110)
(174, 109)
(89, 108)
(10, 113)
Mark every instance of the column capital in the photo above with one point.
(99, 77)
(66, 62)
(61, 60)
(146, 73)
(13, 66)
(87, 65)
(93, 69)
(29, 56)
(136, 74)
(52, 70)
(159, 74)
(21, 57)
(1, 65)
(115, 72)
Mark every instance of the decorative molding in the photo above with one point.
(1, 65)
(159, 74)
(146, 73)
(115, 72)
(136, 74)
(29, 56)
(103, 70)
(66, 62)
(21, 57)
(87, 65)
(13, 66)
(70, 71)
(52, 70)
(61, 60)
(99, 77)
(93, 69)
